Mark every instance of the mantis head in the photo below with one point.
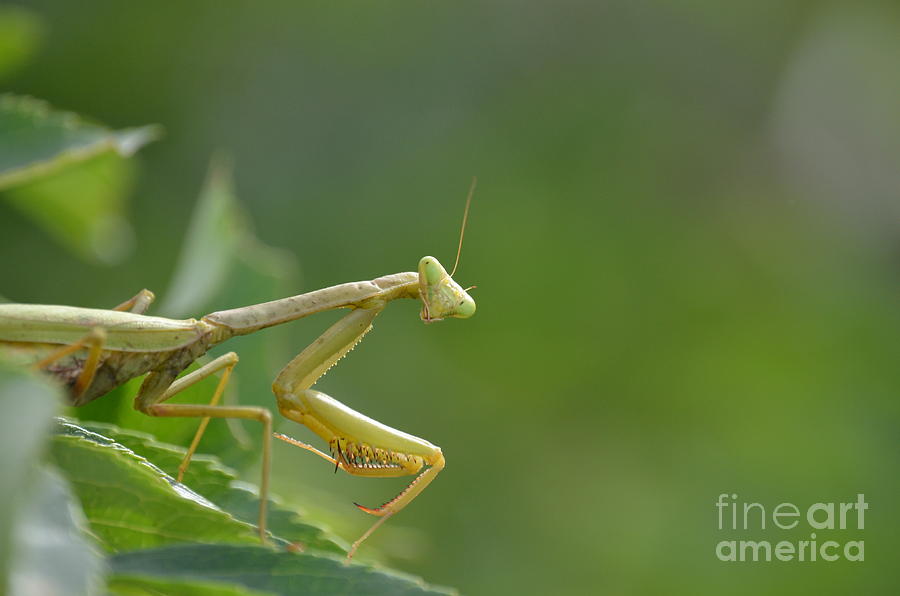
(441, 296)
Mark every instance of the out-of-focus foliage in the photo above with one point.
(37, 141)
(54, 555)
(131, 503)
(68, 175)
(29, 404)
(20, 33)
(684, 237)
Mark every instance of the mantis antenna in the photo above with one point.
(462, 230)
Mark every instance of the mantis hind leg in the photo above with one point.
(93, 341)
(139, 303)
(159, 387)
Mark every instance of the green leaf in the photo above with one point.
(134, 585)
(28, 403)
(53, 553)
(20, 34)
(81, 206)
(70, 176)
(130, 503)
(261, 568)
(218, 483)
(36, 140)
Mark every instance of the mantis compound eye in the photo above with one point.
(431, 272)
(466, 308)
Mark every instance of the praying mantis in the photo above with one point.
(92, 351)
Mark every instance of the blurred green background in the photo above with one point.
(685, 240)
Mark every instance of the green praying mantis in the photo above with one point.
(92, 351)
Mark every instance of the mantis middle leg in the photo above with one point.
(161, 386)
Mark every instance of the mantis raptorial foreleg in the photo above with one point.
(359, 445)
(305, 369)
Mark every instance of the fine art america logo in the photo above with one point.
(737, 515)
